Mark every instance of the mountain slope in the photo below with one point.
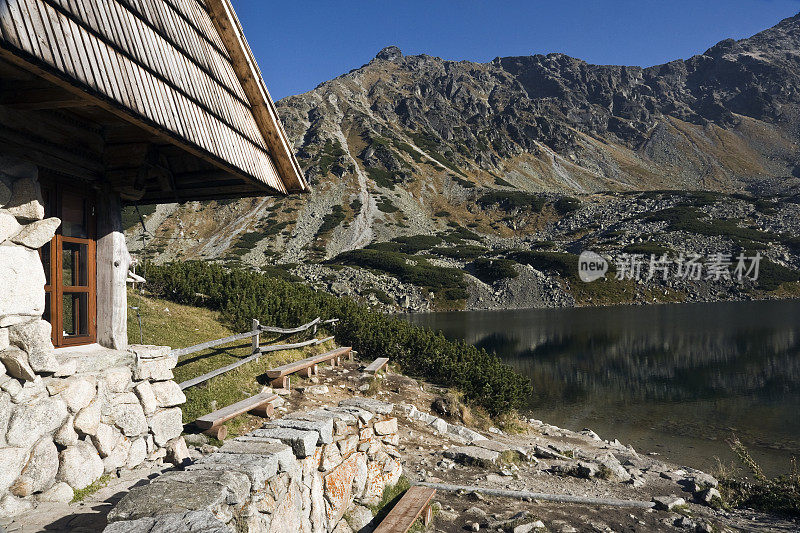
(416, 145)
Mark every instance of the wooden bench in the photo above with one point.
(259, 405)
(378, 364)
(280, 375)
(415, 502)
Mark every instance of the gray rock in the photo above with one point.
(166, 424)
(8, 223)
(612, 469)
(37, 234)
(187, 522)
(668, 503)
(386, 427)
(439, 425)
(131, 420)
(155, 369)
(4, 343)
(324, 428)
(195, 439)
(22, 297)
(28, 392)
(117, 380)
(106, 439)
(369, 404)
(12, 506)
(66, 369)
(302, 442)
(118, 456)
(26, 201)
(66, 434)
(88, 419)
(40, 470)
(709, 496)
(80, 465)
(30, 421)
(473, 455)
(5, 415)
(146, 352)
(12, 460)
(547, 453)
(258, 468)
(359, 517)
(168, 394)
(58, 493)
(78, 393)
(178, 492)
(138, 453)
(177, 452)
(144, 391)
(16, 363)
(34, 337)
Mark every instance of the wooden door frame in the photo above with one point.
(56, 288)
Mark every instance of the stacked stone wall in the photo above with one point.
(67, 417)
(314, 471)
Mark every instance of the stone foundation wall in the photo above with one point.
(67, 416)
(314, 471)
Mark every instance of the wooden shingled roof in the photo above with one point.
(178, 69)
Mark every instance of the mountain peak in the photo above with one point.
(390, 53)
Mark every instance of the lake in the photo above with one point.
(674, 379)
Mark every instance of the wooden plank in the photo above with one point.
(414, 502)
(227, 368)
(377, 365)
(211, 344)
(291, 368)
(226, 413)
(289, 331)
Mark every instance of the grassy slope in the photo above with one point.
(171, 324)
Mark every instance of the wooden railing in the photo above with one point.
(257, 349)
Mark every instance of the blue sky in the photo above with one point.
(301, 43)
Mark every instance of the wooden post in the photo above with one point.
(257, 336)
(113, 261)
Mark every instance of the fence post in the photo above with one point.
(257, 336)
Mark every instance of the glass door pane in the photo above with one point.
(74, 264)
(75, 316)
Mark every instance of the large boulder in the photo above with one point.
(79, 393)
(16, 363)
(8, 224)
(168, 394)
(34, 337)
(26, 201)
(80, 465)
(30, 421)
(22, 297)
(88, 419)
(166, 424)
(40, 470)
(37, 234)
(11, 462)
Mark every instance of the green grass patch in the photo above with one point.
(384, 178)
(160, 319)
(81, 494)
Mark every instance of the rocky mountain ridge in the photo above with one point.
(487, 152)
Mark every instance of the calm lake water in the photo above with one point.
(673, 379)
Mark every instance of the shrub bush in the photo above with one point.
(241, 296)
(491, 270)
(508, 200)
(566, 205)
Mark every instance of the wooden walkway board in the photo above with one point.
(221, 416)
(415, 502)
(291, 368)
(377, 364)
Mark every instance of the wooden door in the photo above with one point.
(70, 265)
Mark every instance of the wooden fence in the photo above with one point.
(255, 335)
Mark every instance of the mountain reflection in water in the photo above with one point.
(673, 379)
